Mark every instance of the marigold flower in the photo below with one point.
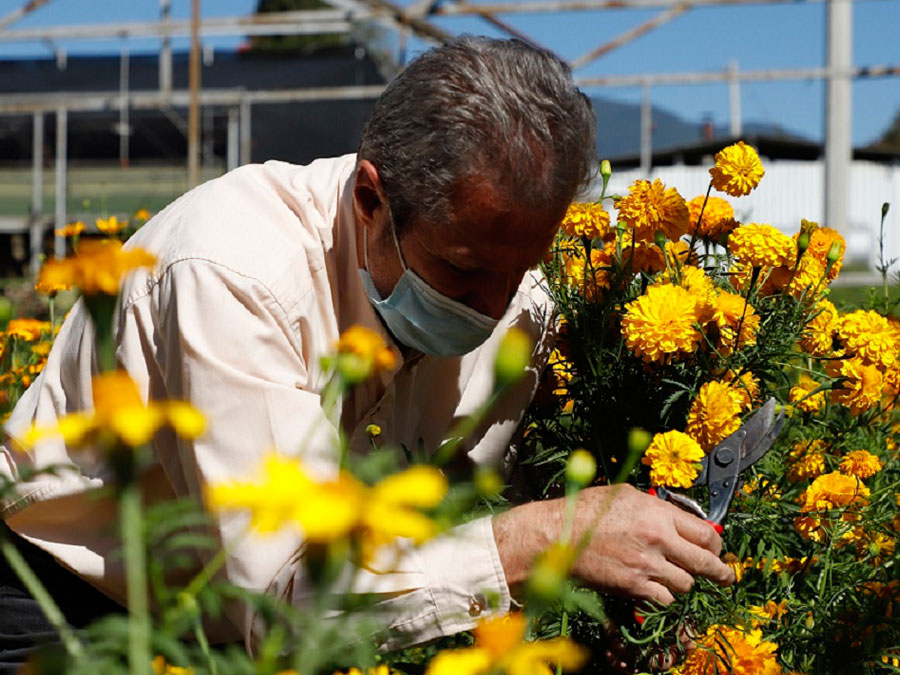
(27, 329)
(832, 491)
(746, 387)
(111, 225)
(737, 170)
(818, 336)
(651, 207)
(820, 242)
(732, 313)
(640, 256)
(800, 395)
(499, 648)
(771, 610)
(161, 667)
(361, 353)
(327, 510)
(807, 460)
(723, 649)
(97, 268)
(70, 229)
(674, 459)
(807, 279)
(142, 215)
(860, 463)
(588, 278)
(869, 336)
(661, 324)
(585, 220)
(761, 245)
(118, 408)
(718, 217)
(714, 414)
(860, 389)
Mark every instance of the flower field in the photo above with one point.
(675, 323)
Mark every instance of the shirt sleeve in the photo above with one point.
(225, 343)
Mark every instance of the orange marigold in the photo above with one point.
(761, 245)
(662, 323)
(585, 220)
(714, 414)
(860, 389)
(868, 335)
(723, 649)
(860, 463)
(651, 207)
(732, 313)
(818, 335)
(737, 170)
(718, 217)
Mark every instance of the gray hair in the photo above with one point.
(480, 107)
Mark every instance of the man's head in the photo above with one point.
(470, 157)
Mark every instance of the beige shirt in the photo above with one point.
(257, 276)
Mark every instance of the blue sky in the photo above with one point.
(704, 38)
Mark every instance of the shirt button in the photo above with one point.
(476, 605)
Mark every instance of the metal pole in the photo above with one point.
(838, 143)
(165, 52)
(124, 129)
(59, 243)
(734, 100)
(194, 104)
(36, 230)
(246, 133)
(233, 159)
(646, 130)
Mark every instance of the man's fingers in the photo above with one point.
(695, 560)
(698, 531)
(654, 590)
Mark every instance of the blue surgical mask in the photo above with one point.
(423, 319)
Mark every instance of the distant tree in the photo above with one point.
(293, 44)
(890, 139)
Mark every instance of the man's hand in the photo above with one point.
(640, 546)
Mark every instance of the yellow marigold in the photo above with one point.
(649, 208)
(807, 280)
(499, 648)
(661, 324)
(28, 329)
(806, 460)
(363, 352)
(561, 370)
(809, 527)
(771, 610)
(54, 277)
(832, 491)
(142, 215)
(586, 220)
(640, 256)
(718, 217)
(868, 335)
(761, 245)
(818, 335)
(737, 170)
(860, 388)
(70, 230)
(723, 649)
(118, 408)
(590, 279)
(820, 242)
(97, 268)
(800, 395)
(714, 414)
(737, 566)
(860, 463)
(732, 313)
(161, 667)
(746, 387)
(674, 459)
(111, 225)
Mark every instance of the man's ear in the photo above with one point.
(368, 195)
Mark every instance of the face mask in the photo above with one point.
(423, 319)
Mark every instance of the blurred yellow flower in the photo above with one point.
(499, 649)
(662, 323)
(111, 225)
(714, 414)
(674, 459)
(649, 208)
(361, 352)
(800, 395)
(27, 329)
(70, 230)
(118, 409)
(718, 217)
(142, 215)
(860, 388)
(585, 220)
(761, 245)
(737, 170)
(97, 268)
(162, 667)
(860, 463)
(723, 649)
(771, 610)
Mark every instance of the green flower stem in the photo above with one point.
(51, 301)
(563, 631)
(464, 429)
(139, 656)
(51, 610)
(699, 220)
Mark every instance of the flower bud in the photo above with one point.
(802, 243)
(660, 239)
(605, 169)
(373, 430)
(834, 252)
(581, 468)
(513, 357)
(488, 482)
(6, 312)
(885, 208)
(638, 440)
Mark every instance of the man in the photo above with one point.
(427, 236)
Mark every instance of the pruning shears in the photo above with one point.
(724, 464)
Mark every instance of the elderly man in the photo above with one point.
(427, 236)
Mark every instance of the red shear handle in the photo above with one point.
(716, 526)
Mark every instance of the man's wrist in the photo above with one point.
(521, 534)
